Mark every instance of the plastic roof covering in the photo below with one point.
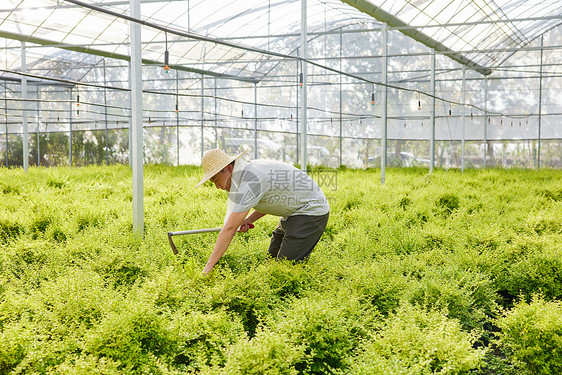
(465, 26)
(272, 25)
(485, 31)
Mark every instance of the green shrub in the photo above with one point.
(450, 280)
(327, 331)
(203, 339)
(121, 272)
(287, 281)
(14, 342)
(495, 362)
(530, 268)
(10, 189)
(28, 256)
(415, 341)
(86, 220)
(87, 365)
(58, 235)
(132, 336)
(81, 294)
(9, 230)
(247, 297)
(352, 202)
(55, 184)
(76, 300)
(448, 203)
(531, 335)
(265, 354)
(252, 295)
(552, 194)
(39, 225)
(379, 284)
(404, 202)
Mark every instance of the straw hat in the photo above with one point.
(213, 162)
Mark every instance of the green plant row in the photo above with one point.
(448, 273)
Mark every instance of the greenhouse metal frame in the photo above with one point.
(457, 84)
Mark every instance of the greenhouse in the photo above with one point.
(468, 84)
(431, 129)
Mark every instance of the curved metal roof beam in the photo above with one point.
(118, 56)
(383, 16)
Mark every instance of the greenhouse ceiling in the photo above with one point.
(242, 39)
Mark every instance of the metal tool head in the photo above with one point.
(174, 249)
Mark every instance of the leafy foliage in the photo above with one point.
(532, 336)
(445, 273)
(414, 341)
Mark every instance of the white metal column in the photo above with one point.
(463, 115)
(7, 163)
(106, 132)
(303, 50)
(384, 108)
(540, 110)
(130, 120)
(485, 121)
(297, 117)
(341, 99)
(177, 120)
(432, 114)
(202, 115)
(255, 120)
(215, 114)
(38, 116)
(136, 117)
(24, 107)
(70, 128)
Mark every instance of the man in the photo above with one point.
(270, 188)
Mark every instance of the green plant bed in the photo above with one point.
(425, 274)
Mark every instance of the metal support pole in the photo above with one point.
(432, 114)
(177, 119)
(38, 116)
(255, 120)
(131, 121)
(24, 109)
(485, 121)
(297, 118)
(341, 100)
(70, 128)
(304, 127)
(6, 118)
(215, 115)
(384, 107)
(136, 125)
(540, 108)
(463, 115)
(202, 115)
(105, 115)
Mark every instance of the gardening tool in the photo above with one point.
(194, 231)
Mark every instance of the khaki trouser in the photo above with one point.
(295, 237)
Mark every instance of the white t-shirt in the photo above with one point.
(274, 188)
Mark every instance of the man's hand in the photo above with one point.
(246, 225)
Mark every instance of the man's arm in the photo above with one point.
(245, 226)
(225, 237)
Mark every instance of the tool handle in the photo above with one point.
(196, 231)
